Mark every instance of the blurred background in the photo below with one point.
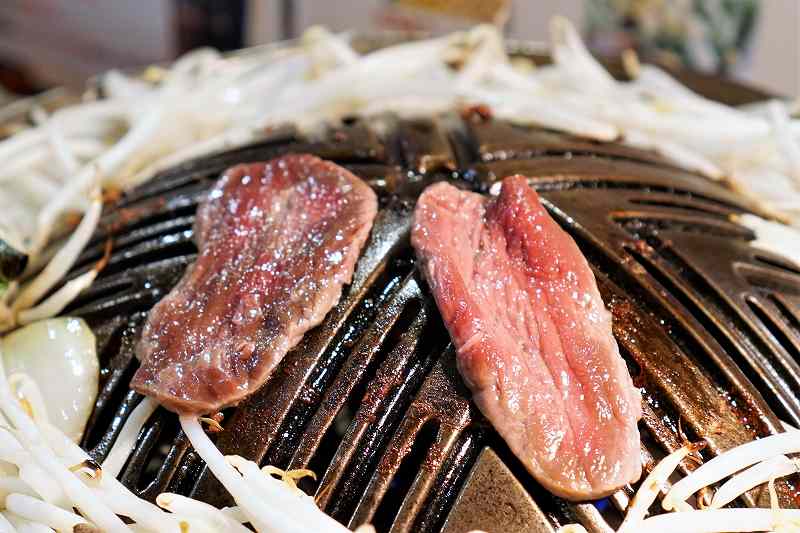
(44, 43)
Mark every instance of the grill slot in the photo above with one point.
(651, 223)
(690, 337)
(441, 398)
(769, 279)
(103, 289)
(177, 244)
(136, 237)
(559, 173)
(149, 212)
(454, 471)
(143, 287)
(295, 451)
(500, 141)
(425, 146)
(692, 204)
(114, 399)
(153, 450)
(792, 318)
(768, 359)
(369, 436)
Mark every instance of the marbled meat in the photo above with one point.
(277, 241)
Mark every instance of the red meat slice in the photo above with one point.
(533, 337)
(276, 243)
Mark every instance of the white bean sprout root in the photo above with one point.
(730, 462)
(763, 472)
(126, 440)
(776, 238)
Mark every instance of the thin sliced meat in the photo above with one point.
(533, 337)
(276, 243)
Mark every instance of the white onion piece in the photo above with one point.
(59, 354)
(31, 438)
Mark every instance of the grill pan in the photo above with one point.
(371, 400)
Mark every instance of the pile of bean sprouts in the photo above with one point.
(65, 163)
(744, 467)
(207, 102)
(47, 482)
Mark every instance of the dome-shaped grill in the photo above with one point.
(371, 400)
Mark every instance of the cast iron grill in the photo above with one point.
(371, 399)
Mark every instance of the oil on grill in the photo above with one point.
(371, 400)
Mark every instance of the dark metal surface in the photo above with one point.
(371, 399)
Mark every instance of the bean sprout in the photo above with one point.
(651, 486)
(64, 489)
(778, 466)
(149, 123)
(63, 260)
(773, 237)
(126, 440)
(729, 520)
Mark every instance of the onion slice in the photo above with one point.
(60, 356)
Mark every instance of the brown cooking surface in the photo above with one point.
(371, 401)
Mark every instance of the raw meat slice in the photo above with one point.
(533, 337)
(276, 243)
